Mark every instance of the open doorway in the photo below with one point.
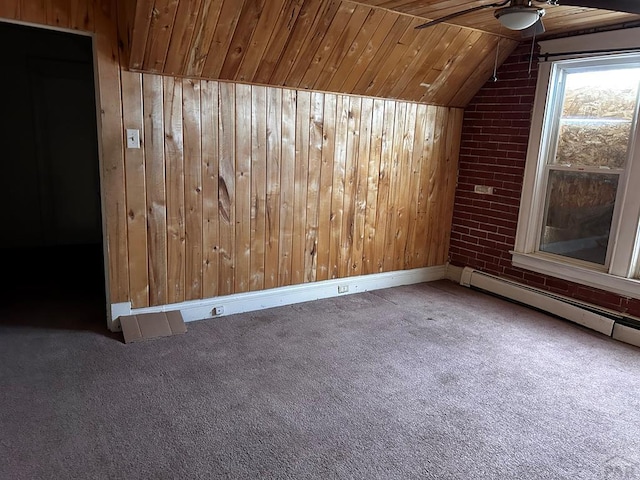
(51, 243)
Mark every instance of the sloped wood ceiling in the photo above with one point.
(557, 19)
(325, 45)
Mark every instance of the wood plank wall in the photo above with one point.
(240, 188)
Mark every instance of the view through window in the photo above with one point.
(589, 154)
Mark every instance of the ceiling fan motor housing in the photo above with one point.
(519, 15)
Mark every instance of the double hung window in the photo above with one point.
(580, 208)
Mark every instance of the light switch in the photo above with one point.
(133, 138)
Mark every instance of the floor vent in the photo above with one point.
(620, 327)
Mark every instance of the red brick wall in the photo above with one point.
(495, 133)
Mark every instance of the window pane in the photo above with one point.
(578, 214)
(597, 114)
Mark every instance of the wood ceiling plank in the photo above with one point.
(277, 63)
(399, 84)
(320, 73)
(408, 45)
(314, 40)
(247, 22)
(396, 80)
(183, 28)
(482, 72)
(415, 88)
(437, 58)
(260, 40)
(356, 50)
(226, 25)
(141, 26)
(463, 61)
(282, 31)
(203, 36)
(349, 74)
(399, 28)
(164, 12)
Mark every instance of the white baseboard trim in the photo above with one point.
(453, 273)
(277, 297)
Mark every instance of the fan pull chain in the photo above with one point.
(533, 42)
(494, 78)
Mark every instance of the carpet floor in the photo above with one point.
(429, 381)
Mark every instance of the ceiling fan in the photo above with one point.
(522, 14)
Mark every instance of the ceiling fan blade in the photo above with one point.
(534, 30)
(629, 6)
(460, 13)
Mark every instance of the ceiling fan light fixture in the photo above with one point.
(519, 17)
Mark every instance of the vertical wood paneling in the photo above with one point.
(395, 188)
(226, 188)
(10, 9)
(386, 162)
(287, 185)
(112, 145)
(349, 193)
(243, 188)
(274, 146)
(423, 226)
(417, 160)
(326, 187)
(153, 105)
(193, 135)
(210, 219)
(360, 189)
(175, 174)
(337, 193)
(301, 182)
(313, 186)
(258, 185)
(373, 177)
(136, 192)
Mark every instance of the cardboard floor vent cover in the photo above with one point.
(146, 326)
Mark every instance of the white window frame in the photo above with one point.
(623, 254)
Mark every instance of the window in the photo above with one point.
(580, 208)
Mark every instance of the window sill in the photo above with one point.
(541, 263)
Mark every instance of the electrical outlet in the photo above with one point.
(217, 311)
(343, 288)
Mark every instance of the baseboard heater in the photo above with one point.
(621, 327)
